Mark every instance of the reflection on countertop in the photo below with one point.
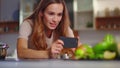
(57, 63)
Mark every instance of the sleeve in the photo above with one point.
(25, 30)
(71, 34)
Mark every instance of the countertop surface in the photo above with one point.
(57, 63)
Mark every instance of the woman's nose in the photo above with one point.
(55, 18)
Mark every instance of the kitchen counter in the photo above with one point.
(57, 63)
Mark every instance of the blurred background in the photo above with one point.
(91, 18)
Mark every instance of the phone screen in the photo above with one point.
(69, 42)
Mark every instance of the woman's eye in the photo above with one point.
(60, 14)
(51, 13)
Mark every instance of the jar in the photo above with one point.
(116, 11)
(107, 12)
(3, 50)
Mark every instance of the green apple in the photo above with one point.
(79, 53)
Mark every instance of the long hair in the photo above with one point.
(38, 33)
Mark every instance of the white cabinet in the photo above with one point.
(85, 5)
(83, 14)
(26, 8)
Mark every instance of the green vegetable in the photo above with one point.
(84, 52)
(109, 38)
(108, 44)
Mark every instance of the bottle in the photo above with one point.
(6, 29)
(107, 12)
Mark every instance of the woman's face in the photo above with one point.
(53, 15)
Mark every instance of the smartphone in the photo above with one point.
(69, 42)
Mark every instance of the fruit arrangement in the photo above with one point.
(104, 50)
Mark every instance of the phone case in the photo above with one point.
(69, 42)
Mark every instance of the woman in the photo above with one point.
(39, 33)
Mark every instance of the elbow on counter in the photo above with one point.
(20, 54)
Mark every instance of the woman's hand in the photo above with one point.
(56, 48)
(79, 43)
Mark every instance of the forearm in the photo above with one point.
(33, 54)
(24, 52)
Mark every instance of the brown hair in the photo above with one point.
(38, 32)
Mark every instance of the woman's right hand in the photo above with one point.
(56, 48)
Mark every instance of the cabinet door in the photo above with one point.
(26, 8)
(83, 15)
(85, 5)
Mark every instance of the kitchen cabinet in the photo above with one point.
(106, 14)
(83, 11)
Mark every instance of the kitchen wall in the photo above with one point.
(101, 5)
(9, 10)
(94, 36)
(11, 40)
